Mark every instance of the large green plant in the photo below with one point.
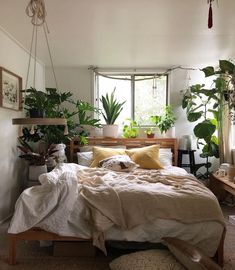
(53, 103)
(165, 120)
(112, 107)
(207, 107)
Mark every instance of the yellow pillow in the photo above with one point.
(146, 157)
(100, 153)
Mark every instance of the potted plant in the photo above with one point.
(130, 128)
(149, 132)
(165, 121)
(35, 102)
(206, 108)
(37, 160)
(111, 110)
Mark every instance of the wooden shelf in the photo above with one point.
(39, 121)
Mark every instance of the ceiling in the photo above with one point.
(127, 33)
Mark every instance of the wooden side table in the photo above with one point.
(220, 185)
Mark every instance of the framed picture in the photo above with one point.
(10, 90)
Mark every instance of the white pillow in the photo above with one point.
(156, 259)
(165, 156)
(119, 163)
(85, 158)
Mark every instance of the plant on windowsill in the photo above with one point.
(130, 128)
(149, 132)
(164, 121)
(111, 110)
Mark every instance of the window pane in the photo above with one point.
(148, 99)
(122, 93)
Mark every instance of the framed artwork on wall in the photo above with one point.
(10, 90)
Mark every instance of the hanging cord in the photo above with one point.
(36, 10)
(95, 70)
(46, 31)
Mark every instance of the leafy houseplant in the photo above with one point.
(130, 129)
(51, 102)
(149, 132)
(35, 102)
(165, 120)
(207, 106)
(111, 110)
(35, 158)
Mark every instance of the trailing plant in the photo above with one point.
(112, 107)
(130, 128)
(165, 120)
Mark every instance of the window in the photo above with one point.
(145, 94)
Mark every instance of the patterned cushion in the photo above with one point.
(149, 260)
(120, 163)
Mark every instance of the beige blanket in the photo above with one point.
(140, 197)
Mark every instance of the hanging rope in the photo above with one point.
(37, 11)
(155, 75)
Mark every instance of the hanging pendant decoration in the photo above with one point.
(210, 15)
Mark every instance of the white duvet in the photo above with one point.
(57, 206)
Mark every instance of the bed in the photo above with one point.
(207, 233)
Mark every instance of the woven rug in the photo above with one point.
(31, 256)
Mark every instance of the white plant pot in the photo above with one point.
(35, 171)
(170, 133)
(110, 131)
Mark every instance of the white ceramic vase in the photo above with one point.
(170, 133)
(110, 131)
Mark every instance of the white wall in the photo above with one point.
(14, 58)
(76, 80)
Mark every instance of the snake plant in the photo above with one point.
(112, 107)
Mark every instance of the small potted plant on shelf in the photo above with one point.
(111, 110)
(130, 128)
(165, 121)
(149, 132)
(35, 103)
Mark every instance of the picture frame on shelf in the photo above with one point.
(10, 90)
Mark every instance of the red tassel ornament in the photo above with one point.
(210, 16)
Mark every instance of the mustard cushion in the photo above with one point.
(146, 157)
(100, 153)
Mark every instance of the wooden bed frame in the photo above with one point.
(35, 234)
(172, 143)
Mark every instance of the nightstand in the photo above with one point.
(220, 185)
(191, 163)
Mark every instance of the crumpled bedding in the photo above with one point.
(72, 195)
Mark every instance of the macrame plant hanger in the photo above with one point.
(37, 12)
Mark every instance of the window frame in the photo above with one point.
(132, 76)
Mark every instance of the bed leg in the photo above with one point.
(12, 250)
(220, 250)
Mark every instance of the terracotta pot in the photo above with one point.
(150, 135)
